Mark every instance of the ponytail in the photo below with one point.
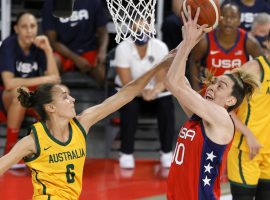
(245, 84)
(26, 98)
(37, 99)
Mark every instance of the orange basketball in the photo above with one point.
(209, 13)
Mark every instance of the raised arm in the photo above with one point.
(176, 80)
(93, 114)
(197, 54)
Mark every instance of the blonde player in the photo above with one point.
(249, 157)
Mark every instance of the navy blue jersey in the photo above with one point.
(196, 165)
(13, 59)
(248, 13)
(77, 32)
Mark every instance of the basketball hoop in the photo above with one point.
(134, 19)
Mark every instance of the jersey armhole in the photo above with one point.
(80, 127)
(261, 66)
(36, 155)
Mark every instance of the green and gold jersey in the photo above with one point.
(255, 114)
(57, 167)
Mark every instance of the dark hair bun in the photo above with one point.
(25, 98)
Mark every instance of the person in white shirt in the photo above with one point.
(132, 59)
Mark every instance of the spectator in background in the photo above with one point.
(249, 9)
(171, 27)
(25, 60)
(80, 40)
(261, 28)
(131, 61)
(224, 48)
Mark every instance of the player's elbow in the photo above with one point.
(173, 83)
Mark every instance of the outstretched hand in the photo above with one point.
(191, 31)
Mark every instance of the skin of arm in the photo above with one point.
(93, 114)
(25, 147)
(253, 47)
(151, 94)
(103, 40)
(126, 77)
(196, 56)
(210, 112)
(11, 82)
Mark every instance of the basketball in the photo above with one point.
(209, 13)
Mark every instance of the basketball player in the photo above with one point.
(55, 150)
(225, 48)
(206, 137)
(249, 157)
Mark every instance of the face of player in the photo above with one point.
(230, 20)
(220, 90)
(26, 29)
(63, 103)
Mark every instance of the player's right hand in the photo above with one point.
(253, 144)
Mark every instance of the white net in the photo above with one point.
(133, 19)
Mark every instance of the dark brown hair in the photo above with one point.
(37, 99)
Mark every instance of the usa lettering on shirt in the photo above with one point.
(77, 15)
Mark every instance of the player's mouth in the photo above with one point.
(209, 97)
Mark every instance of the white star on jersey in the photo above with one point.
(210, 156)
(208, 168)
(206, 181)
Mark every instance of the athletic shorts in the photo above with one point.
(68, 64)
(246, 172)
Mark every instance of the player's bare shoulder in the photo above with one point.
(253, 66)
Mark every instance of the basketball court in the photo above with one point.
(103, 179)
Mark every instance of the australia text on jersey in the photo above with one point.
(65, 156)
